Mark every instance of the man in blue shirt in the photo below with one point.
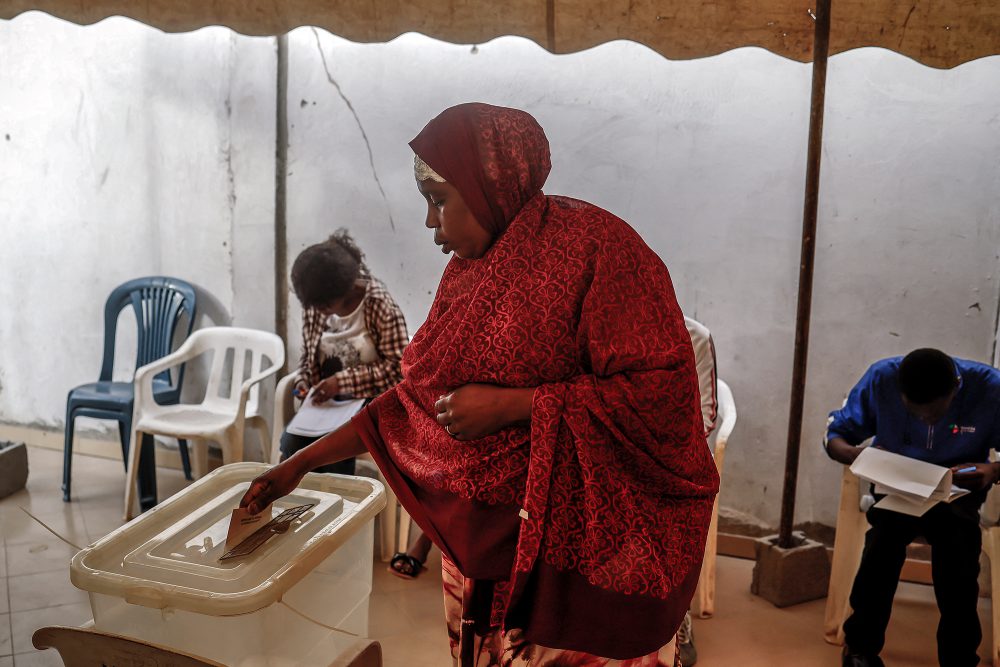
(946, 411)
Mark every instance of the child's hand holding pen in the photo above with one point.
(325, 390)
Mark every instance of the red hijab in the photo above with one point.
(496, 158)
(589, 524)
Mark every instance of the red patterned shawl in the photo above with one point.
(613, 475)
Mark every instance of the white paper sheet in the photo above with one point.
(317, 419)
(910, 486)
(905, 505)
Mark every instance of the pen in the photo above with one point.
(969, 469)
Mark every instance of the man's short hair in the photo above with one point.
(926, 375)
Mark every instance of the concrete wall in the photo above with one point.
(125, 152)
(705, 158)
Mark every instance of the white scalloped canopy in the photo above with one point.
(938, 33)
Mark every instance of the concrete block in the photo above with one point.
(13, 467)
(785, 577)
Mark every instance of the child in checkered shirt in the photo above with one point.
(353, 332)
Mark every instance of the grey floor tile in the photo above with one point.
(47, 658)
(386, 618)
(24, 623)
(100, 523)
(43, 555)
(426, 612)
(6, 646)
(47, 589)
(18, 527)
(417, 649)
(38, 501)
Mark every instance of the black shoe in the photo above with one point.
(861, 660)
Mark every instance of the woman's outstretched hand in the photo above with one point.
(277, 482)
(476, 410)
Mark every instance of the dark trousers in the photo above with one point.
(952, 530)
(291, 443)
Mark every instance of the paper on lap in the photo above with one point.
(910, 486)
(317, 419)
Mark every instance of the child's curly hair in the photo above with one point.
(326, 271)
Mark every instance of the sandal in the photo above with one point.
(405, 566)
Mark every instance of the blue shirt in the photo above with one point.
(968, 431)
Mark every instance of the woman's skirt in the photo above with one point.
(511, 649)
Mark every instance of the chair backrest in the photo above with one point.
(704, 358)
(159, 304)
(237, 354)
(81, 647)
(726, 419)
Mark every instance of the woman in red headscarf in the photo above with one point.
(547, 434)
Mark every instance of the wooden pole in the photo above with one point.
(280, 206)
(550, 25)
(821, 48)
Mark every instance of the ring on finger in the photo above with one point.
(447, 428)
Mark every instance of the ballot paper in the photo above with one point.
(243, 524)
(317, 419)
(261, 534)
(910, 486)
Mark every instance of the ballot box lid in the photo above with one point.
(169, 557)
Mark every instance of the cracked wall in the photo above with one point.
(130, 153)
(126, 152)
(706, 159)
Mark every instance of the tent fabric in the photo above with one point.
(933, 32)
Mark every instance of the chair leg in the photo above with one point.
(124, 432)
(147, 473)
(704, 597)
(132, 474)
(403, 543)
(259, 425)
(140, 474)
(199, 464)
(991, 545)
(182, 447)
(847, 547)
(67, 454)
(265, 438)
(231, 444)
(388, 525)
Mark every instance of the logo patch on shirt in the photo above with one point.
(960, 430)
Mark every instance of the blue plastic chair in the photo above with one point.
(159, 304)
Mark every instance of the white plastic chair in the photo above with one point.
(704, 597)
(392, 540)
(991, 547)
(849, 544)
(241, 359)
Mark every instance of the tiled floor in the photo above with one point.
(406, 616)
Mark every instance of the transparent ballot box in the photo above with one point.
(298, 599)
